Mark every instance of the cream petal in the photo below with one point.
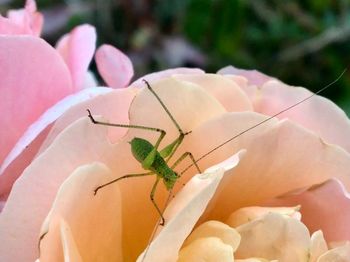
(184, 211)
(70, 250)
(154, 77)
(318, 246)
(246, 214)
(339, 254)
(225, 233)
(227, 92)
(75, 214)
(209, 249)
(254, 260)
(274, 237)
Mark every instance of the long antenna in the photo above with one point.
(227, 141)
(266, 120)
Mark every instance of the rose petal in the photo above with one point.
(114, 66)
(225, 91)
(209, 249)
(27, 18)
(183, 212)
(321, 206)
(318, 246)
(8, 27)
(81, 211)
(70, 249)
(274, 237)
(225, 233)
(246, 214)
(332, 124)
(77, 49)
(28, 145)
(40, 85)
(153, 77)
(254, 77)
(339, 254)
(113, 105)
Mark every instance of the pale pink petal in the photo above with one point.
(325, 207)
(28, 145)
(28, 18)
(114, 66)
(77, 49)
(83, 142)
(183, 212)
(89, 80)
(29, 85)
(318, 113)
(114, 105)
(8, 27)
(227, 92)
(254, 77)
(153, 77)
(77, 211)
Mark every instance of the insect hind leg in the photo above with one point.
(120, 178)
(154, 202)
(182, 157)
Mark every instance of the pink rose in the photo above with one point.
(58, 157)
(39, 83)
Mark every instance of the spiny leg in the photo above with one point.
(182, 157)
(120, 178)
(151, 156)
(154, 202)
(164, 107)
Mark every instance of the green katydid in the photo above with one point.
(156, 162)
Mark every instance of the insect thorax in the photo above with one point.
(140, 149)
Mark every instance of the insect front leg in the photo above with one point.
(147, 163)
(154, 202)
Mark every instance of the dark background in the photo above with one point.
(304, 43)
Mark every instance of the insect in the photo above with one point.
(151, 158)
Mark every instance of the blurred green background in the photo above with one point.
(304, 43)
